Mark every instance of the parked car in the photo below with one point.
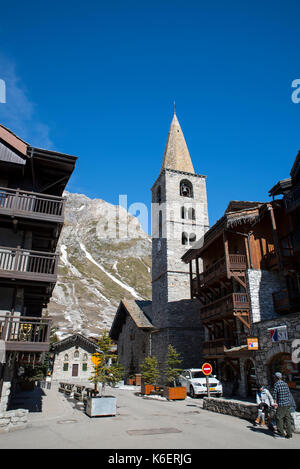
(195, 382)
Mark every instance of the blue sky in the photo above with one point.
(98, 80)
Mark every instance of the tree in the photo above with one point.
(150, 371)
(173, 361)
(107, 370)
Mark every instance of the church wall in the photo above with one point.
(133, 347)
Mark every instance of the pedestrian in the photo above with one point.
(282, 404)
(265, 401)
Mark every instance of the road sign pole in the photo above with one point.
(207, 386)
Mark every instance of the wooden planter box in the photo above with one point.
(175, 393)
(147, 388)
(138, 380)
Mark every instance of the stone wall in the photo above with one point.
(12, 420)
(133, 346)
(5, 394)
(261, 284)
(268, 349)
(244, 410)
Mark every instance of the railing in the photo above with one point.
(31, 204)
(286, 301)
(25, 333)
(217, 346)
(22, 263)
(237, 262)
(229, 303)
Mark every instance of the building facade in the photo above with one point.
(248, 288)
(179, 219)
(72, 359)
(32, 181)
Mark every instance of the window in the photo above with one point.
(160, 224)
(76, 354)
(184, 239)
(183, 212)
(65, 366)
(85, 357)
(186, 188)
(66, 357)
(84, 366)
(192, 238)
(287, 246)
(192, 213)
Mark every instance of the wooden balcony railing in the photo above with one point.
(229, 303)
(286, 301)
(217, 347)
(24, 333)
(28, 265)
(31, 205)
(237, 262)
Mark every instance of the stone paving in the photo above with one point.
(58, 422)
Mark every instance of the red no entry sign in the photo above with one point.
(206, 369)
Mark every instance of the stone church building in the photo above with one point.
(179, 219)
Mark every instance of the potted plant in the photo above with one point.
(131, 380)
(172, 391)
(150, 374)
(107, 372)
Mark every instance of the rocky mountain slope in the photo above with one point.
(104, 256)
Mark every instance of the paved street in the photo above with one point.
(140, 424)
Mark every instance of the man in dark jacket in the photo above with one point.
(282, 402)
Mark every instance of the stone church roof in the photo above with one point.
(176, 155)
(134, 309)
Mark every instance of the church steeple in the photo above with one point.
(176, 155)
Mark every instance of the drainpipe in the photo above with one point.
(249, 249)
(150, 340)
(275, 236)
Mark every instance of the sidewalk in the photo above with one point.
(47, 404)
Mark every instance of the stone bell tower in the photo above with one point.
(179, 219)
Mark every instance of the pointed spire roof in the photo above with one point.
(176, 155)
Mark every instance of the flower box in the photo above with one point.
(178, 392)
(147, 388)
(101, 406)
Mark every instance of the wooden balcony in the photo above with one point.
(17, 203)
(232, 303)
(237, 263)
(286, 301)
(216, 348)
(23, 264)
(25, 334)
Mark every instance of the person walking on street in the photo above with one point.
(282, 403)
(265, 401)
